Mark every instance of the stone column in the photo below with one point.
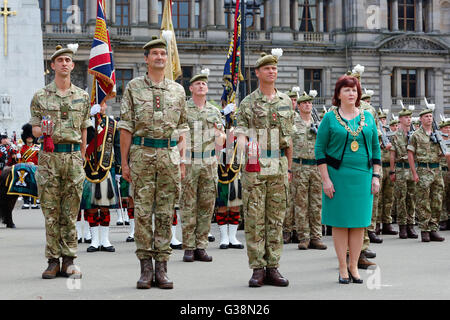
(153, 13)
(421, 82)
(398, 82)
(275, 14)
(113, 12)
(143, 13)
(434, 7)
(92, 12)
(210, 17)
(203, 13)
(220, 14)
(267, 15)
(385, 85)
(338, 14)
(301, 79)
(294, 13)
(394, 15)
(133, 12)
(47, 11)
(320, 16)
(191, 14)
(327, 90)
(439, 90)
(257, 21)
(285, 17)
(383, 15)
(419, 16)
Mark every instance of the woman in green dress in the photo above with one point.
(348, 155)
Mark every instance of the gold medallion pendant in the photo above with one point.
(354, 146)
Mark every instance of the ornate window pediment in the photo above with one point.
(413, 44)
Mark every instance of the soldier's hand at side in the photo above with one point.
(393, 177)
(126, 173)
(416, 177)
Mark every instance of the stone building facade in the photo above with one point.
(403, 44)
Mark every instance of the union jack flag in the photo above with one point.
(101, 63)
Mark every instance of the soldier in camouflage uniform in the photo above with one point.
(444, 223)
(200, 184)
(400, 174)
(61, 111)
(306, 180)
(153, 121)
(428, 177)
(386, 199)
(289, 230)
(266, 118)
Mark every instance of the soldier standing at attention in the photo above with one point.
(199, 187)
(265, 124)
(61, 111)
(306, 180)
(428, 177)
(444, 220)
(400, 174)
(152, 122)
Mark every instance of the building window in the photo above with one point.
(325, 15)
(122, 12)
(180, 14)
(409, 83)
(313, 80)
(406, 15)
(59, 13)
(307, 15)
(123, 76)
(187, 74)
(42, 7)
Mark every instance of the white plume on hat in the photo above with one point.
(295, 89)
(277, 52)
(358, 69)
(430, 106)
(369, 92)
(167, 35)
(325, 109)
(411, 107)
(394, 117)
(312, 93)
(73, 47)
(205, 71)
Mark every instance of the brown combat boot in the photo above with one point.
(387, 229)
(443, 225)
(201, 255)
(274, 278)
(378, 229)
(69, 269)
(374, 238)
(403, 234)
(286, 237)
(257, 279)
(294, 237)
(161, 279)
(434, 236)
(188, 256)
(303, 245)
(52, 270)
(425, 235)
(411, 232)
(317, 244)
(145, 281)
(364, 263)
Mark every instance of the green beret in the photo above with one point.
(425, 112)
(365, 96)
(62, 51)
(443, 124)
(405, 112)
(382, 115)
(155, 43)
(265, 60)
(304, 98)
(291, 94)
(393, 122)
(199, 77)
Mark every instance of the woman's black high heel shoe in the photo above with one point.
(353, 279)
(344, 280)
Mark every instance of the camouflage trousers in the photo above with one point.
(430, 188)
(307, 198)
(264, 204)
(446, 196)
(197, 204)
(386, 199)
(375, 205)
(405, 190)
(60, 178)
(289, 218)
(155, 174)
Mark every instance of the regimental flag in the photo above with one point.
(101, 63)
(232, 70)
(173, 67)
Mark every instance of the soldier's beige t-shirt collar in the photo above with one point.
(264, 98)
(162, 85)
(52, 88)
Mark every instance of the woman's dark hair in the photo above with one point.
(346, 81)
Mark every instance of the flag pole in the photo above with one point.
(242, 84)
